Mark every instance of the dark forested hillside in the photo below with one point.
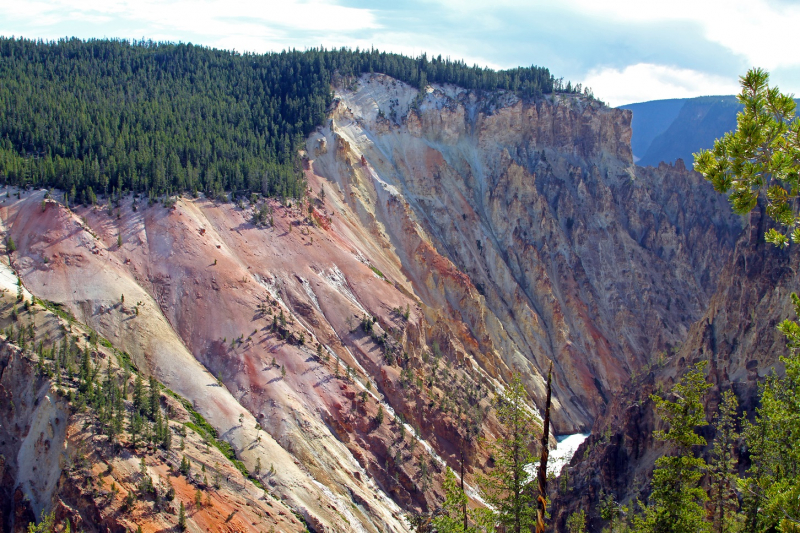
(99, 116)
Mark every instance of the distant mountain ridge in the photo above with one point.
(650, 119)
(667, 130)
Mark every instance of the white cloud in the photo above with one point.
(243, 24)
(502, 33)
(646, 81)
(763, 32)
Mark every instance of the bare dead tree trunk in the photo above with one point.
(464, 510)
(542, 477)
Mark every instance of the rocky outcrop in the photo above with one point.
(737, 336)
(55, 460)
(529, 225)
(33, 423)
(355, 338)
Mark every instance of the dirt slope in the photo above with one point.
(459, 238)
(192, 295)
(54, 459)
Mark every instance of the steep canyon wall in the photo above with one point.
(567, 251)
(460, 238)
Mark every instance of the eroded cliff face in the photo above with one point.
(55, 459)
(529, 227)
(159, 298)
(33, 422)
(736, 336)
(262, 327)
(459, 239)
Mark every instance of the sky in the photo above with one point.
(626, 50)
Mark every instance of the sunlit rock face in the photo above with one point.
(479, 234)
(528, 223)
(739, 343)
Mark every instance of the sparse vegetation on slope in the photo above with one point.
(126, 436)
(758, 164)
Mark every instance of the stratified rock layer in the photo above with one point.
(528, 223)
(459, 238)
(737, 337)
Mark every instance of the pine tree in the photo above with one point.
(576, 523)
(47, 524)
(186, 466)
(86, 369)
(722, 469)
(759, 161)
(57, 371)
(135, 427)
(130, 501)
(450, 517)
(119, 412)
(760, 157)
(772, 487)
(126, 376)
(508, 487)
(166, 440)
(158, 427)
(182, 518)
(613, 512)
(138, 394)
(676, 501)
(153, 399)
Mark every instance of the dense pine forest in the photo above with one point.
(109, 116)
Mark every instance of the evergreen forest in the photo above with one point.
(110, 116)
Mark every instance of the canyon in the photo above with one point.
(449, 240)
(737, 338)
